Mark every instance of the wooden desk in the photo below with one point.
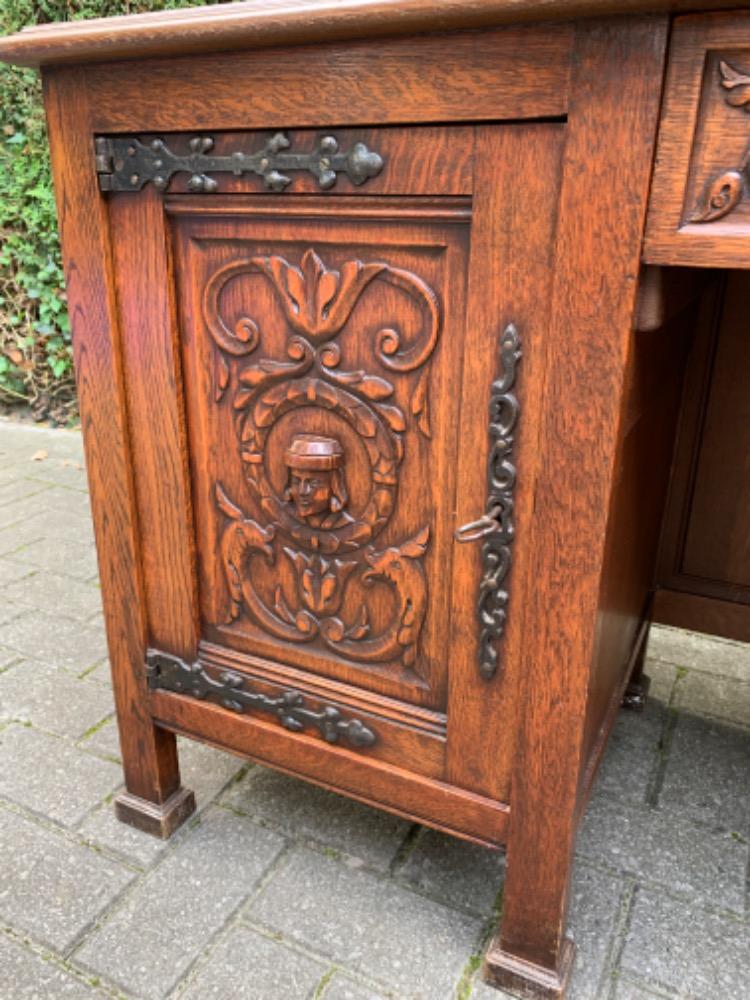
(377, 428)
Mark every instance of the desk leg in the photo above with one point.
(154, 800)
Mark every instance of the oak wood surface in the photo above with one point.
(704, 566)
(532, 211)
(396, 789)
(507, 73)
(149, 754)
(611, 132)
(152, 379)
(682, 609)
(510, 280)
(702, 136)
(259, 23)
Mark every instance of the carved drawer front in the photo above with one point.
(700, 201)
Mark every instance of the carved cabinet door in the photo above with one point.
(354, 376)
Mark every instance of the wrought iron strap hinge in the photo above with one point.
(124, 163)
(231, 690)
(496, 525)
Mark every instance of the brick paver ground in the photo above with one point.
(280, 891)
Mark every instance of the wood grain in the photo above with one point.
(510, 277)
(258, 23)
(611, 131)
(149, 754)
(507, 73)
(395, 789)
(152, 378)
(701, 136)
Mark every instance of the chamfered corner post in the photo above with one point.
(616, 76)
(154, 800)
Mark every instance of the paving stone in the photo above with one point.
(7, 658)
(48, 590)
(50, 888)
(369, 924)
(708, 653)
(633, 753)
(482, 991)
(105, 739)
(19, 487)
(248, 966)
(456, 873)
(52, 699)
(720, 697)
(57, 641)
(16, 510)
(299, 809)
(69, 472)
(687, 950)
(626, 990)
(662, 676)
(160, 928)
(203, 769)
(595, 903)
(341, 988)
(66, 556)
(18, 540)
(660, 847)
(10, 572)
(101, 673)
(708, 774)
(9, 612)
(63, 504)
(27, 976)
(51, 777)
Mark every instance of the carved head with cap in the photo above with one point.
(315, 483)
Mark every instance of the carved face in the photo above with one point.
(311, 491)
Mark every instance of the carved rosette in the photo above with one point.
(327, 546)
(723, 193)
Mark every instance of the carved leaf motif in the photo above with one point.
(393, 416)
(420, 406)
(738, 85)
(317, 301)
(719, 197)
(222, 377)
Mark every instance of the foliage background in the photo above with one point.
(35, 346)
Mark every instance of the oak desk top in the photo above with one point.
(263, 23)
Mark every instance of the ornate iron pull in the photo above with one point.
(124, 163)
(487, 524)
(230, 691)
(496, 524)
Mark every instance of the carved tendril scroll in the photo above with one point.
(724, 192)
(309, 525)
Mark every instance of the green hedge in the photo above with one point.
(35, 348)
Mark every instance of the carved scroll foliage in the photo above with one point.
(724, 192)
(327, 546)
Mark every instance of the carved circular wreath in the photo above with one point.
(379, 445)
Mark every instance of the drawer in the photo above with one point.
(699, 212)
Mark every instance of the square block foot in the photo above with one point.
(525, 979)
(158, 819)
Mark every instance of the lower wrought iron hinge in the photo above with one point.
(231, 690)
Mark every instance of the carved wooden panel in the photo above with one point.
(700, 200)
(323, 360)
